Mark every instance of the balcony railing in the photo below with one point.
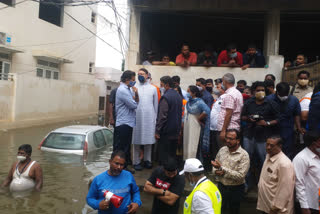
(6, 76)
(290, 75)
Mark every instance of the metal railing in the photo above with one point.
(290, 74)
(6, 76)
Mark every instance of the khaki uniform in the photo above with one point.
(301, 92)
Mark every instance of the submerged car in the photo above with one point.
(79, 139)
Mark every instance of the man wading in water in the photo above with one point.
(24, 174)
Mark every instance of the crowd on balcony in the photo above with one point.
(230, 57)
(265, 135)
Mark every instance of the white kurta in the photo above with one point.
(191, 136)
(146, 115)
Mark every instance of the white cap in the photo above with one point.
(192, 165)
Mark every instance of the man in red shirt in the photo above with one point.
(186, 58)
(230, 57)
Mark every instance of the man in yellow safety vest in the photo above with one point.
(205, 197)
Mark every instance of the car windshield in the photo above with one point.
(64, 141)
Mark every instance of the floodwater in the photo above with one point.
(65, 176)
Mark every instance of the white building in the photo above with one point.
(47, 61)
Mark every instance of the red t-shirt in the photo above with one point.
(192, 58)
(224, 58)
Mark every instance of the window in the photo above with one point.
(98, 139)
(101, 103)
(51, 11)
(108, 136)
(91, 67)
(39, 72)
(48, 74)
(55, 75)
(4, 70)
(93, 17)
(49, 70)
(8, 2)
(64, 141)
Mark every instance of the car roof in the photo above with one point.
(78, 129)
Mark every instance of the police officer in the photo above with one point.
(205, 197)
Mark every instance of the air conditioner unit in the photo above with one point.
(5, 39)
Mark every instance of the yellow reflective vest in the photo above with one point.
(211, 191)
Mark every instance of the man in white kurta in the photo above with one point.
(146, 115)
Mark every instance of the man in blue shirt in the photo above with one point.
(289, 116)
(205, 95)
(117, 181)
(126, 104)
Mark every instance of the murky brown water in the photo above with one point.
(65, 176)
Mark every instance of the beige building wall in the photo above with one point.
(40, 101)
(6, 100)
(34, 35)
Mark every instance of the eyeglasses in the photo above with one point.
(229, 138)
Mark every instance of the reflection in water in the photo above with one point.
(66, 176)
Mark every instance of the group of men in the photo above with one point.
(266, 120)
(229, 57)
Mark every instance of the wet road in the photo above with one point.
(65, 176)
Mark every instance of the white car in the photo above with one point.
(79, 139)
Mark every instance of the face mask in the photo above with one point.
(200, 88)
(192, 184)
(21, 158)
(303, 82)
(240, 89)
(223, 87)
(141, 79)
(162, 90)
(209, 89)
(216, 91)
(284, 98)
(189, 96)
(233, 55)
(132, 83)
(260, 95)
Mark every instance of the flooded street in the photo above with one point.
(65, 176)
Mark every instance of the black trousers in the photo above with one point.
(122, 140)
(167, 147)
(231, 198)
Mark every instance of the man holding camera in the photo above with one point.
(261, 118)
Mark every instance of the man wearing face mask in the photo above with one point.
(167, 186)
(215, 142)
(24, 174)
(205, 197)
(127, 99)
(290, 111)
(230, 168)
(262, 118)
(301, 88)
(307, 168)
(169, 119)
(209, 85)
(205, 95)
(230, 57)
(146, 115)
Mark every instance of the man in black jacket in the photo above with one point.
(169, 120)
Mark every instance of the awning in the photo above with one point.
(39, 54)
(9, 49)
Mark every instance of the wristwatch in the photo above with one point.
(268, 123)
(164, 192)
